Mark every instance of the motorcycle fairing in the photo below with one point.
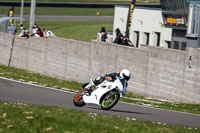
(103, 88)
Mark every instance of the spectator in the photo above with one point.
(39, 33)
(35, 29)
(118, 36)
(48, 33)
(23, 30)
(122, 40)
(103, 35)
(12, 29)
(26, 34)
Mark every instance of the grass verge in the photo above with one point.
(61, 11)
(22, 118)
(26, 76)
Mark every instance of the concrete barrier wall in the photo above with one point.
(5, 48)
(63, 58)
(157, 72)
(191, 84)
(165, 73)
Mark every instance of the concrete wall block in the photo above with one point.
(135, 55)
(6, 39)
(165, 68)
(101, 68)
(164, 93)
(55, 65)
(21, 42)
(192, 51)
(77, 69)
(55, 70)
(5, 51)
(37, 44)
(167, 54)
(79, 50)
(192, 86)
(191, 98)
(138, 71)
(36, 61)
(137, 90)
(153, 91)
(20, 53)
(138, 86)
(103, 57)
(104, 53)
(193, 76)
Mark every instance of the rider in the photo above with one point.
(126, 74)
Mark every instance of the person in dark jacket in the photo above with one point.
(118, 36)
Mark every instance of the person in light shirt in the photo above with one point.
(48, 33)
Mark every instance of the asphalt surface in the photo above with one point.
(11, 91)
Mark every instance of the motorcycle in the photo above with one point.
(105, 95)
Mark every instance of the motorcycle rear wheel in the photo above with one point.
(107, 102)
(78, 99)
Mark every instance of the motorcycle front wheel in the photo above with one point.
(78, 98)
(109, 100)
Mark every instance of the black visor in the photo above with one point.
(126, 77)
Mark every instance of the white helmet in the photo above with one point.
(126, 74)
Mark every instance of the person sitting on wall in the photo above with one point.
(23, 30)
(11, 29)
(26, 35)
(103, 35)
(39, 33)
(47, 33)
(118, 38)
(122, 40)
(35, 30)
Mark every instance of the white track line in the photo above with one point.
(28, 83)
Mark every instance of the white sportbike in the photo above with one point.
(106, 94)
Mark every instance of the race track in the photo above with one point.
(12, 91)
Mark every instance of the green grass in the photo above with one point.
(22, 118)
(77, 30)
(26, 76)
(66, 11)
(164, 104)
(61, 11)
